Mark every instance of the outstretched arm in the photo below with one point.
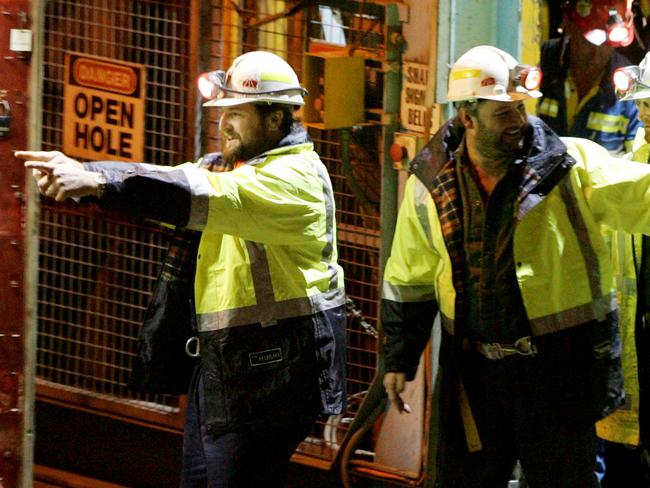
(160, 193)
(59, 176)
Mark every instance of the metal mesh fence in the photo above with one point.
(95, 278)
(152, 33)
(96, 271)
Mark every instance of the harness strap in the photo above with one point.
(471, 430)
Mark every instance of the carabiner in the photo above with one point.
(197, 349)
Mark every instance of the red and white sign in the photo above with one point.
(103, 109)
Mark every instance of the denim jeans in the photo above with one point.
(246, 459)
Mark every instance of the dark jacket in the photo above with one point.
(603, 119)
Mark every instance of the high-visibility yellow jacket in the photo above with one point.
(268, 231)
(268, 291)
(569, 188)
(622, 426)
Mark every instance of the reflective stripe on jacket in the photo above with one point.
(268, 245)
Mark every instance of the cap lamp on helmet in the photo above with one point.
(609, 22)
(633, 82)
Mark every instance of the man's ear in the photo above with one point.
(274, 120)
(465, 118)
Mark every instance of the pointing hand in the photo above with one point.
(59, 176)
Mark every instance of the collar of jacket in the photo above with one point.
(544, 157)
(297, 136)
(215, 162)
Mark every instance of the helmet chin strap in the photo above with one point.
(285, 91)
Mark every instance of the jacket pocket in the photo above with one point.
(259, 375)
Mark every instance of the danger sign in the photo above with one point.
(103, 109)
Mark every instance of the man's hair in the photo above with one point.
(470, 106)
(287, 114)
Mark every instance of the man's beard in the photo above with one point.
(236, 154)
(492, 146)
(245, 151)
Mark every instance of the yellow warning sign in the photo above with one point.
(103, 109)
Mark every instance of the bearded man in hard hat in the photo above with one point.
(626, 432)
(268, 292)
(500, 233)
(578, 95)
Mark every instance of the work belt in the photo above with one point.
(495, 350)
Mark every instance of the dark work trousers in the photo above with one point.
(516, 419)
(255, 458)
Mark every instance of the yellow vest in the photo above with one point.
(268, 243)
(622, 426)
(563, 262)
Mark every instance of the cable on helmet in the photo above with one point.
(259, 77)
(212, 85)
(486, 72)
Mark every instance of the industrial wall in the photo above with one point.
(16, 375)
(376, 73)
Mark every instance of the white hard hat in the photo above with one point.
(633, 82)
(254, 77)
(487, 72)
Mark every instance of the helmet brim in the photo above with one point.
(513, 96)
(234, 101)
(638, 95)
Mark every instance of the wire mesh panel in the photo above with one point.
(97, 270)
(351, 156)
(358, 221)
(95, 277)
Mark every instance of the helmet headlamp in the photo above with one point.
(603, 22)
(210, 83)
(627, 81)
(254, 77)
(528, 77)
